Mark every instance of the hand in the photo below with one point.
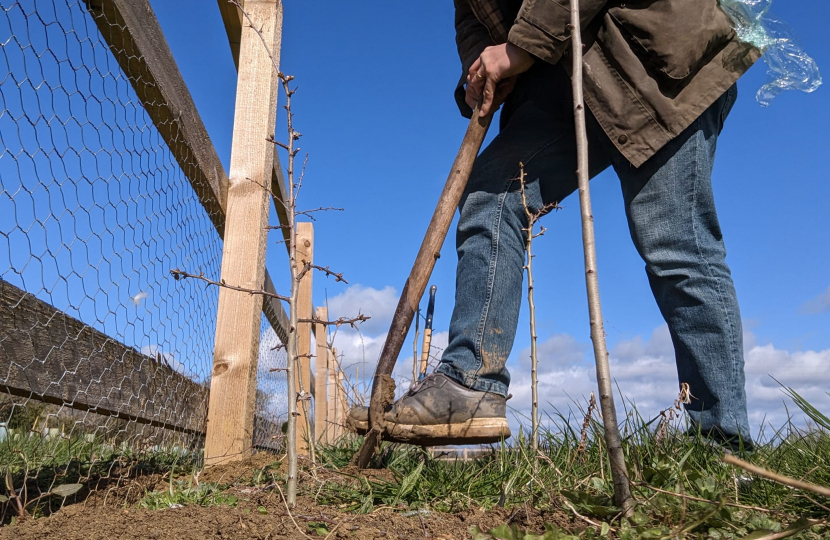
(494, 75)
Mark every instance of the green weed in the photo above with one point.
(185, 493)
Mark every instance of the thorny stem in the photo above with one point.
(342, 321)
(534, 387)
(293, 344)
(622, 490)
(179, 274)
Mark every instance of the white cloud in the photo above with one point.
(553, 353)
(644, 369)
(379, 304)
(806, 372)
(819, 304)
(359, 350)
(646, 374)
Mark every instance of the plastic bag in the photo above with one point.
(788, 66)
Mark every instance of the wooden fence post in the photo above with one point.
(331, 404)
(234, 378)
(321, 361)
(305, 252)
(341, 405)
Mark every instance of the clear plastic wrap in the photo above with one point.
(788, 66)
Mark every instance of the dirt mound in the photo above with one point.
(241, 471)
(265, 522)
(259, 512)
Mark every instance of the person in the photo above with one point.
(659, 81)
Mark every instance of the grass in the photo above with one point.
(187, 493)
(32, 466)
(681, 485)
(683, 488)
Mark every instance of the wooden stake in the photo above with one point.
(622, 491)
(234, 381)
(305, 253)
(341, 404)
(415, 348)
(332, 428)
(321, 360)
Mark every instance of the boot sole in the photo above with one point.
(473, 431)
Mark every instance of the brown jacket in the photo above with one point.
(651, 67)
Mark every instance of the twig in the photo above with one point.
(786, 480)
(342, 321)
(308, 213)
(619, 474)
(532, 218)
(424, 527)
(179, 274)
(583, 518)
(583, 436)
(333, 529)
(308, 266)
(791, 532)
(282, 145)
(790, 494)
(337, 276)
(812, 500)
(21, 512)
(698, 499)
(258, 32)
(293, 343)
(284, 502)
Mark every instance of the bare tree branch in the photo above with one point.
(781, 479)
(342, 321)
(180, 274)
(308, 213)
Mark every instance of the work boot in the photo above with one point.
(439, 411)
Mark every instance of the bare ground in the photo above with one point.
(259, 514)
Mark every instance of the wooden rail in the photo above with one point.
(49, 356)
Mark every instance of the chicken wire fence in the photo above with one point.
(105, 359)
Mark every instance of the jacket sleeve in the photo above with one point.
(472, 38)
(541, 27)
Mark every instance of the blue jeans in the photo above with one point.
(672, 220)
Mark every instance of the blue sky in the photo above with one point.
(378, 119)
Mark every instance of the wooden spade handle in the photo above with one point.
(427, 333)
(383, 387)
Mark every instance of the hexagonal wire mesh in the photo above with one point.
(105, 360)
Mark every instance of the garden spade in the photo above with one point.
(383, 386)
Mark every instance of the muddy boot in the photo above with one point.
(439, 411)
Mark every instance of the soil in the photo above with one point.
(259, 514)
